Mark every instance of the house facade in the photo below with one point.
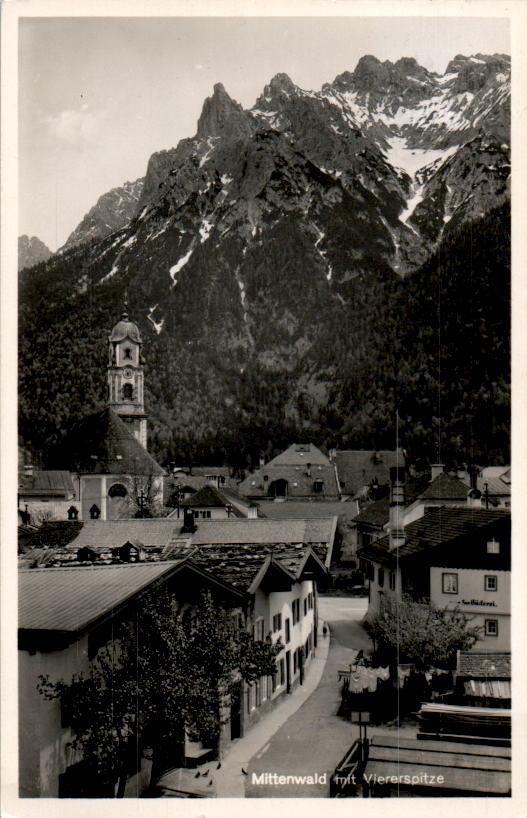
(65, 616)
(300, 472)
(454, 558)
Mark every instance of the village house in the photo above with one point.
(269, 569)
(453, 558)
(301, 472)
(210, 503)
(65, 616)
(359, 470)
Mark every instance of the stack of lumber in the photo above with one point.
(452, 720)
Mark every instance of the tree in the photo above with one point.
(166, 673)
(410, 631)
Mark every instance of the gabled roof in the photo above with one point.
(102, 444)
(298, 509)
(445, 526)
(56, 483)
(208, 497)
(270, 534)
(357, 468)
(378, 513)
(300, 483)
(70, 599)
(150, 532)
(245, 565)
(484, 665)
(298, 454)
(445, 487)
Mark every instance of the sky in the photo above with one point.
(98, 96)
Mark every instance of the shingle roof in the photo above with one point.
(298, 509)
(47, 482)
(357, 468)
(56, 534)
(439, 526)
(113, 533)
(102, 444)
(264, 531)
(484, 665)
(298, 454)
(300, 483)
(445, 487)
(239, 564)
(378, 513)
(69, 599)
(252, 534)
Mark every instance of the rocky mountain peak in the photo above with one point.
(31, 250)
(222, 116)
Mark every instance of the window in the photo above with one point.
(117, 490)
(392, 580)
(274, 679)
(258, 629)
(491, 583)
(305, 606)
(128, 391)
(317, 486)
(282, 672)
(277, 622)
(205, 515)
(381, 577)
(287, 630)
(73, 513)
(95, 512)
(128, 353)
(491, 627)
(296, 611)
(450, 584)
(493, 547)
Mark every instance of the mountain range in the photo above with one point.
(280, 264)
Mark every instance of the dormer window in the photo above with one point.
(493, 547)
(317, 486)
(95, 512)
(73, 513)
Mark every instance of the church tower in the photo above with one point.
(125, 376)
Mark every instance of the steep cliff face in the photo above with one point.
(112, 211)
(280, 231)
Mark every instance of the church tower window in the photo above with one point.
(128, 353)
(128, 391)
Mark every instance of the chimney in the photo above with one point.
(189, 525)
(332, 454)
(252, 514)
(262, 462)
(437, 469)
(395, 525)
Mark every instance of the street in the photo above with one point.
(313, 740)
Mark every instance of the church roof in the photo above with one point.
(102, 444)
(125, 329)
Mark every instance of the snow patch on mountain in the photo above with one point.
(413, 159)
(174, 270)
(158, 325)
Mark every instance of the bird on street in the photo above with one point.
(244, 771)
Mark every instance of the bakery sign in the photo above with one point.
(482, 602)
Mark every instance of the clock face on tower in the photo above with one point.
(127, 372)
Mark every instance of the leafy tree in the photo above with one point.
(165, 674)
(410, 631)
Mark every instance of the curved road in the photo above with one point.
(314, 739)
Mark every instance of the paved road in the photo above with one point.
(314, 739)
